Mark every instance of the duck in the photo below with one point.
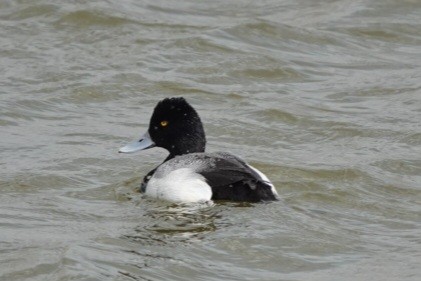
(189, 174)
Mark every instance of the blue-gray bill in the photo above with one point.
(145, 142)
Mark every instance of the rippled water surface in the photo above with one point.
(322, 96)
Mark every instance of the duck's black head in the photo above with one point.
(175, 126)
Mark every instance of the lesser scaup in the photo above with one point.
(189, 174)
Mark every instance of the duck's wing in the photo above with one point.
(233, 179)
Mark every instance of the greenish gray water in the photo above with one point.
(322, 96)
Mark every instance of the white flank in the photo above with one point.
(181, 186)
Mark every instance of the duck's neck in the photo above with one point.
(186, 146)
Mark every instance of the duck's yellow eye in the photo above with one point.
(164, 123)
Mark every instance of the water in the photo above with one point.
(322, 96)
